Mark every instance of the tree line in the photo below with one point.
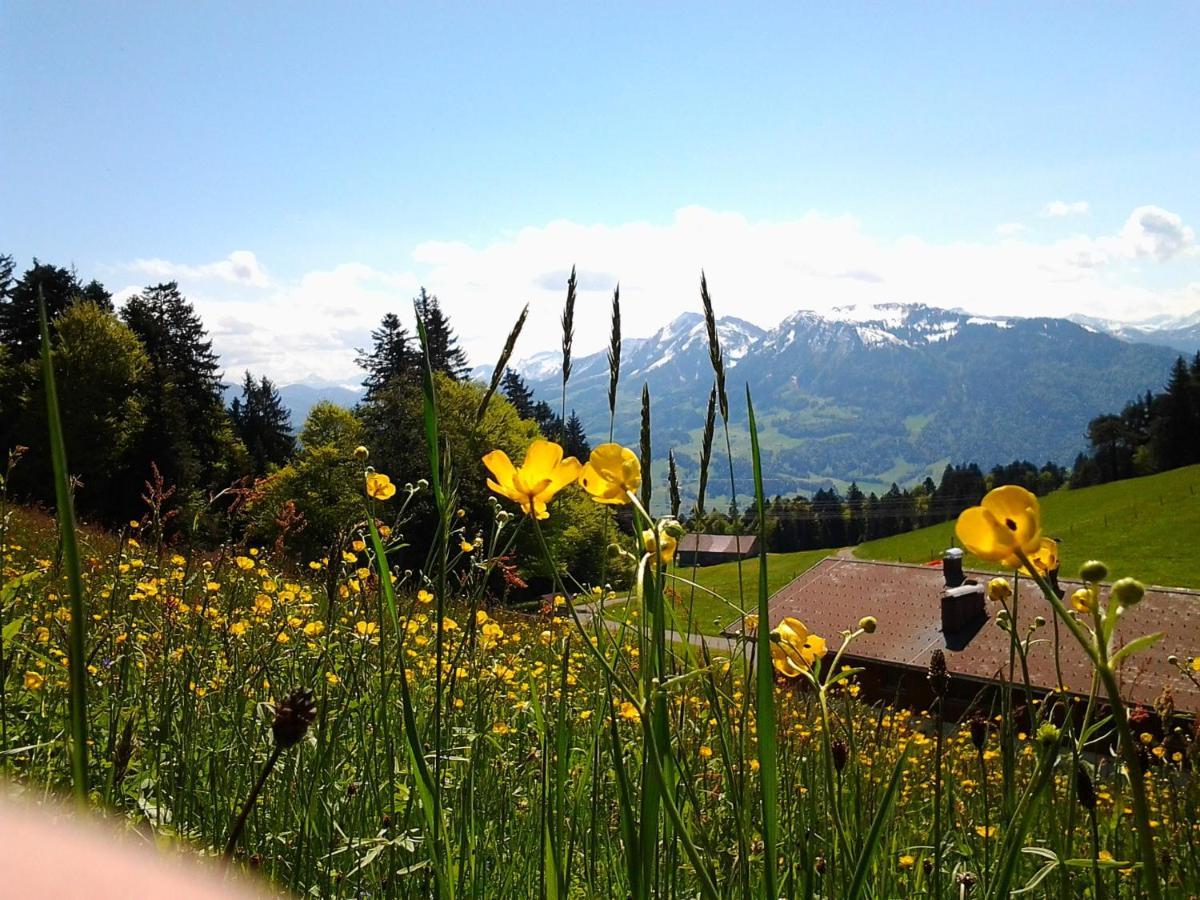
(831, 519)
(143, 407)
(1154, 433)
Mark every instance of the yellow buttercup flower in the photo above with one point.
(794, 649)
(379, 486)
(611, 474)
(1045, 557)
(1083, 600)
(34, 681)
(664, 546)
(1006, 521)
(543, 474)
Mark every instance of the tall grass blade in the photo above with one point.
(883, 815)
(768, 752)
(422, 777)
(70, 548)
(502, 363)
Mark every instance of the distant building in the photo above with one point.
(709, 549)
(919, 610)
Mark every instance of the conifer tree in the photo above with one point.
(575, 441)
(444, 353)
(1178, 421)
(392, 356)
(517, 393)
(20, 330)
(263, 423)
(189, 433)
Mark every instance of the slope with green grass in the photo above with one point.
(710, 614)
(1145, 527)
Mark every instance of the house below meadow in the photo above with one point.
(922, 608)
(710, 549)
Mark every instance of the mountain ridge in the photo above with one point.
(883, 393)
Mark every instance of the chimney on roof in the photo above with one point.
(962, 600)
(952, 567)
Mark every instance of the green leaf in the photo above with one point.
(77, 638)
(882, 816)
(768, 759)
(1137, 645)
(11, 628)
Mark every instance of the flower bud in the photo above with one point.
(1172, 660)
(673, 528)
(1039, 622)
(999, 590)
(1128, 591)
(1093, 570)
(361, 453)
(868, 624)
(1083, 600)
(1048, 734)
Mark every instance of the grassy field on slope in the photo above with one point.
(1145, 527)
(709, 614)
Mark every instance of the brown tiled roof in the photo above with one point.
(717, 543)
(905, 599)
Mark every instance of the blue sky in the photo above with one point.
(302, 168)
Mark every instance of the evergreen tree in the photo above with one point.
(548, 421)
(575, 442)
(517, 393)
(855, 502)
(392, 356)
(7, 267)
(20, 329)
(444, 353)
(1178, 422)
(263, 423)
(189, 434)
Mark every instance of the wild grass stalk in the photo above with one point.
(77, 655)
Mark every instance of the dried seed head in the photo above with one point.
(979, 732)
(819, 865)
(293, 714)
(841, 753)
(939, 677)
(1084, 789)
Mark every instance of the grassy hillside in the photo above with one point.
(1145, 527)
(710, 614)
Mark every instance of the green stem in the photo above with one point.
(1098, 653)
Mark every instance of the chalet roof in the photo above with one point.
(717, 543)
(906, 600)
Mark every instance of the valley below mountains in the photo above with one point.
(881, 394)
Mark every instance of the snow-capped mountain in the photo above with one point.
(1181, 333)
(879, 393)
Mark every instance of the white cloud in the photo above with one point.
(1152, 231)
(1009, 229)
(760, 270)
(239, 267)
(1057, 209)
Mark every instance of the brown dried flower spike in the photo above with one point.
(293, 714)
